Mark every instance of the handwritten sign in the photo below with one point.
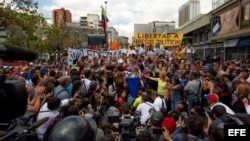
(168, 40)
(74, 55)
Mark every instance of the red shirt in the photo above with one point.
(121, 102)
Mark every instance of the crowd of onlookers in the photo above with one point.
(174, 92)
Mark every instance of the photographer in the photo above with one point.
(155, 128)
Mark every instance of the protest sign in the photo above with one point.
(74, 55)
(169, 40)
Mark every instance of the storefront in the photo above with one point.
(198, 52)
(233, 33)
(237, 48)
(213, 50)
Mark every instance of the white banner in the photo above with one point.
(74, 55)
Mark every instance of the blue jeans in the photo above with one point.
(174, 104)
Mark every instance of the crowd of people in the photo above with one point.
(179, 98)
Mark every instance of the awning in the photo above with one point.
(245, 41)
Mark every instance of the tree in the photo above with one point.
(57, 36)
(23, 24)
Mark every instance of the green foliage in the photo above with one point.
(26, 28)
(22, 23)
(57, 36)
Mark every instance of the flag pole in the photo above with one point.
(107, 41)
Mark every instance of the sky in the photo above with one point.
(122, 14)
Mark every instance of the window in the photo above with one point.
(245, 15)
(198, 37)
(195, 40)
(201, 36)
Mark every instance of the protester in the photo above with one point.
(183, 87)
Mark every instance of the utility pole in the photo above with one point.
(107, 32)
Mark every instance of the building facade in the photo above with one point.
(188, 11)
(60, 16)
(218, 3)
(91, 21)
(142, 28)
(76, 34)
(113, 34)
(222, 32)
(159, 27)
(155, 27)
(230, 24)
(123, 40)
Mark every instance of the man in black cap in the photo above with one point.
(155, 123)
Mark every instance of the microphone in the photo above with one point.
(37, 124)
(10, 53)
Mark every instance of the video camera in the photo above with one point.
(13, 93)
(129, 126)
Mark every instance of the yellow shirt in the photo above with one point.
(162, 87)
(137, 101)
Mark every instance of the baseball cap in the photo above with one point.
(157, 118)
(169, 123)
(212, 97)
(44, 69)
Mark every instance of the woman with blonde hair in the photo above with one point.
(163, 84)
(242, 101)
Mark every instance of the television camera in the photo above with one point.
(13, 100)
(128, 126)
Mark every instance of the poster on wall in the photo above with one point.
(226, 22)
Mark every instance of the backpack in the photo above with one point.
(238, 119)
(244, 117)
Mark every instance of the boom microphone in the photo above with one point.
(10, 53)
(38, 123)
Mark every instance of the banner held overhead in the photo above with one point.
(168, 40)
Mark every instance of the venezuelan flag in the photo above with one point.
(104, 20)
